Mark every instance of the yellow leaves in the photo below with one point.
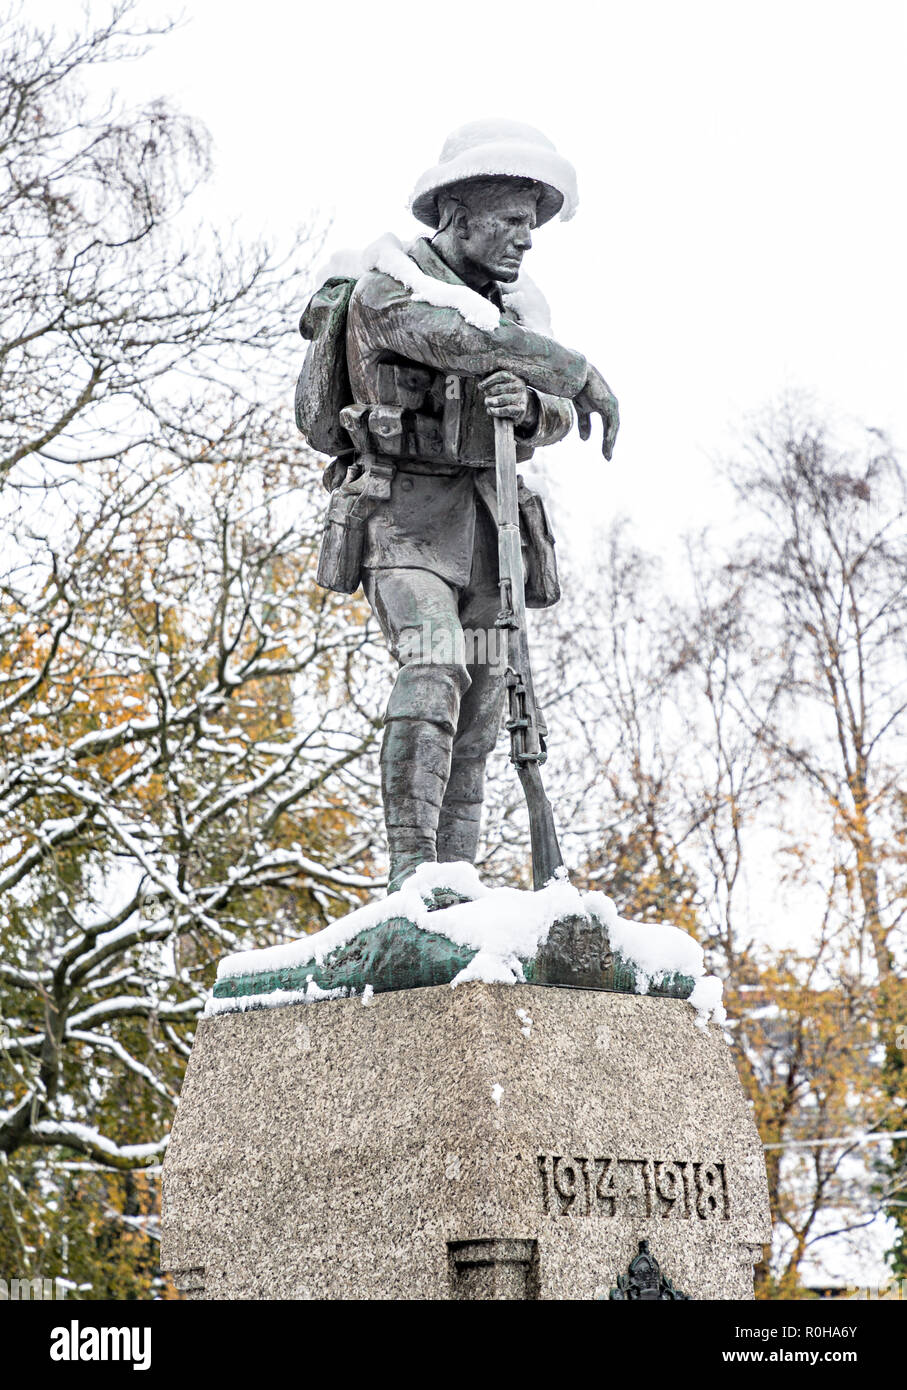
(647, 879)
(27, 651)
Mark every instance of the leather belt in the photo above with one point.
(443, 470)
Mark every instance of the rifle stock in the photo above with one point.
(526, 724)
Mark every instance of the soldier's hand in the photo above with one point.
(506, 396)
(597, 396)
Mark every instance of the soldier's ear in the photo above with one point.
(460, 221)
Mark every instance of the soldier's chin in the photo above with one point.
(506, 274)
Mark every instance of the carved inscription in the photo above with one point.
(573, 1185)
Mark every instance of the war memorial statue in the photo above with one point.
(416, 505)
(392, 1107)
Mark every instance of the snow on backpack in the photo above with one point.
(323, 388)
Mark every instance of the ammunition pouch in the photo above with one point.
(342, 543)
(539, 561)
(383, 434)
(355, 493)
(404, 433)
(408, 421)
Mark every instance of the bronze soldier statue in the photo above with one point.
(409, 366)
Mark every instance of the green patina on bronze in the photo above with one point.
(393, 955)
(399, 955)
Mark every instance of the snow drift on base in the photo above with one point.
(503, 926)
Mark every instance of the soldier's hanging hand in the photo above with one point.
(509, 398)
(597, 396)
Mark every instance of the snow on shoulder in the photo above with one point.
(504, 926)
(388, 255)
(523, 299)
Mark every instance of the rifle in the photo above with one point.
(526, 724)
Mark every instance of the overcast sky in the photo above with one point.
(741, 226)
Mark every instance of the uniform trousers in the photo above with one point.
(444, 712)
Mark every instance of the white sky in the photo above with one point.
(741, 225)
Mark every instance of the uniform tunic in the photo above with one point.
(429, 522)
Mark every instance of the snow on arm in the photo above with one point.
(436, 324)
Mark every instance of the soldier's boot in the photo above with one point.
(461, 811)
(415, 762)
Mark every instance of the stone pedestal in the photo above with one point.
(489, 1142)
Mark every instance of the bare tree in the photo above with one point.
(827, 571)
(186, 719)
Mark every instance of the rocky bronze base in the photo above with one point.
(397, 954)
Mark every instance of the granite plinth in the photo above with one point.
(489, 1141)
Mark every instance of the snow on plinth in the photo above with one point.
(503, 925)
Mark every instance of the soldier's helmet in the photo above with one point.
(506, 149)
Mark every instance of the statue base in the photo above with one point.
(483, 1142)
(398, 954)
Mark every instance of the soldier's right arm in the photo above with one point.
(385, 316)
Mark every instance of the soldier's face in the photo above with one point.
(497, 236)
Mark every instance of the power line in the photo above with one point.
(841, 1139)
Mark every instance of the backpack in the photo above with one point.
(323, 388)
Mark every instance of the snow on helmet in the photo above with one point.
(509, 149)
